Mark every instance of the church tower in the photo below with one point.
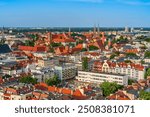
(94, 33)
(69, 32)
(98, 31)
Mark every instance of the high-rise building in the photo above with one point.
(132, 30)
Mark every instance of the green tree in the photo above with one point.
(55, 44)
(28, 80)
(93, 48)
(110, 88)
(131, 55)
(147, 73)
(53, 81)
(29, 43)
(127, 61)
(142, 62)
(130, 81)
(6, 76)
(85, 64)
(51, 50)
(112, 56)
(83, 50)
(71, 45)
(147, 54)
(147, 39)
(80, 41)
(144, 95)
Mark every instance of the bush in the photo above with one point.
(93, 48)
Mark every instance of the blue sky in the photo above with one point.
(75, 13)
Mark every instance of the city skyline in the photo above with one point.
(74, 13)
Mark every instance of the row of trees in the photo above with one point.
(85, 64)
(28, 80)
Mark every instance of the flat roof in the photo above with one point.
(104, 73)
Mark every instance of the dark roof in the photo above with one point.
(127, 47)
(135, 92)
(4, 49)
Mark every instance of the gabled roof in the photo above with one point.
(119, 95)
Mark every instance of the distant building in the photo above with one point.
(47, 62)
(98, 78)
(132, 30)
(126, 29)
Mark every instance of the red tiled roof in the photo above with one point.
(66, 91)
(51, 89)
(77, 92)
(58, 90)
(63, 40)
(119, 95)
(98, 44)
(34, 49)
(134, 50)
(79, 46)
(122, 64)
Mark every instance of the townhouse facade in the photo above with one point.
(133, 71)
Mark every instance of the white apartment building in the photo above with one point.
(99, 78)
(66, 71)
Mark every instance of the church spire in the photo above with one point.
(98, 31)
(94, 30)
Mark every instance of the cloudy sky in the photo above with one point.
(75, 13)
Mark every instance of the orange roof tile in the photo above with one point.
(66, 91)
(51, 89)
